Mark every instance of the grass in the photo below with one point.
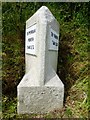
(76, 104)
(76, 92)
(72, 69)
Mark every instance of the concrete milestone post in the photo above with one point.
(41, 90)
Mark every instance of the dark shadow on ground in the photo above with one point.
(65, 60)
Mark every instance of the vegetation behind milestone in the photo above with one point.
(72, 56)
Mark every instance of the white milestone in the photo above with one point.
(40, 90)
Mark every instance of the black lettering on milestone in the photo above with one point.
(30, 39)
(32, 31)
(28, 47)
(55, 36)
(53, 42)
(52, 34)
(56, 44)
(32, 46)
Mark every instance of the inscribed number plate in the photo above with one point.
(30, 40)
(54, 40)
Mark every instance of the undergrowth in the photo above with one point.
(72, 62)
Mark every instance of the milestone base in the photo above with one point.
(39, 99)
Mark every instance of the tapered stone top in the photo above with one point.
(44, 15)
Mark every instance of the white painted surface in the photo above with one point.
(31, 40)
(54, 40)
